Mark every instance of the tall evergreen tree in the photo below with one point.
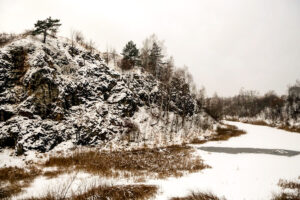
(44, 26)
(130, 56)
(155, 58)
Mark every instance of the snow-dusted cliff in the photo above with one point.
(53, 92)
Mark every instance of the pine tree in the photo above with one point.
(155, 58)
(43, 26)
(130, 56)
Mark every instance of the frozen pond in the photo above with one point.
(245, 167)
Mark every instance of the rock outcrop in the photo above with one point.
(53, 92)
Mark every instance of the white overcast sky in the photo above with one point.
(226, 44)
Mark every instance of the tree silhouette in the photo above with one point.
(44, 26)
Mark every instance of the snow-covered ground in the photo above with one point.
(66, 184)
(248, 176)
(241, 176)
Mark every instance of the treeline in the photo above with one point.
(248, 104)
(150, 57)
(178, 92)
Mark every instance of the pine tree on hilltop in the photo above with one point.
(43, 26)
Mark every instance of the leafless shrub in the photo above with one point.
(6, 38)
(79, 38)
(289, 184)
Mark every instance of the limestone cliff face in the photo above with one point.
(53, 92)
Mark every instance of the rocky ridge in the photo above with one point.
(55, 92)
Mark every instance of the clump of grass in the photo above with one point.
(228, 132)
(13, 174)
(120, 192)
(14, 179)
(117, 192)
(198, 196)
(222, 133)
(291, 185)
(159, 162)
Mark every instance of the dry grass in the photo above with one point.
(198, 196)
(158, 162)
(14, 174)
(198, 141)
(228, 132)
(291, 185)
(130, 192)
(290, 128)
(54, 173)
(258, 122)
(120, 192)
(221, 134)
(14, 179)
(6, 191)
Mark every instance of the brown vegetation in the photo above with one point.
(228, 132)
(198, 196)
(159, 162)
(291, 185)
(119, 192)
(130, 192)
(198, 141)
(221, 134)
(258, 122)
(14, 179)
(54, 173)
(290, 128)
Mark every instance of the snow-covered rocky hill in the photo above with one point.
(53, 92)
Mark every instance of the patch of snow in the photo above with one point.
(116, 97)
